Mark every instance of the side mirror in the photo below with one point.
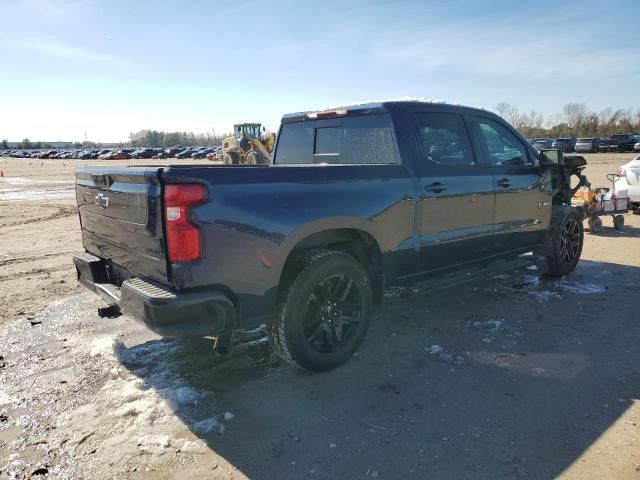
(551, 157)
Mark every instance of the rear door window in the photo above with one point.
(367, 139)
(443, 139)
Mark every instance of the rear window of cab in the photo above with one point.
(366, 139)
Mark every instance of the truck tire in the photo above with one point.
(323, 312)
(563, 244)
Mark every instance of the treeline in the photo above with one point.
(27, 144)
(575, 120)
(153, 138)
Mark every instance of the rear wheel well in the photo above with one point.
(357, 243)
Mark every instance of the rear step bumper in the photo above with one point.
(169, 314)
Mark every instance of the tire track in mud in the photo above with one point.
(36, 271)
(64, 211)
(33, 271)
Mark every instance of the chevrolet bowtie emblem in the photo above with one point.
(102, 201)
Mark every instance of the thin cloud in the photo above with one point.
(495, 51)
(52, 48)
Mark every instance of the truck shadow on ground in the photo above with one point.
(513, 377)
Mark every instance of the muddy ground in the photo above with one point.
(512, 377)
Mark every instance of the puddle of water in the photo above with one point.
(14, 195)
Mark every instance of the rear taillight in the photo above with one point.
(621, 172)
(183, 237)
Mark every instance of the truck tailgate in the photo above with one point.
(121, 216)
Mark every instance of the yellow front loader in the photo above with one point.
(250, 145)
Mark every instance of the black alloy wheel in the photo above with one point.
(332, 313)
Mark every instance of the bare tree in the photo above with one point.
(575, 115)
(609, 120)
(625, 123)
(510, 113)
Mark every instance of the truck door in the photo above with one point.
(523, 204)
(457, 192)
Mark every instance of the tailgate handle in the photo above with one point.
(504, 183)
(436, 187)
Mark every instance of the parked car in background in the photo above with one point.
(86, 155)
(636, 147)
(118, 155)
(542, 143)
(143, 153)
(566, 145)
(47, 154)
(630, 180)
(202, 153)
(619, 143)
(185, 153)
(588, 145)
(171, 152)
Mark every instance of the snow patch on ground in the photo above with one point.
(143, 404)
(101, 346)
(5, 399)
(547, 290)
(443, 355)
(545, 296)
(581, 287)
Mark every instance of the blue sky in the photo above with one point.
(109, 67)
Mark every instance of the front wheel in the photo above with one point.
(252, 157)
(563, 244)
(231, 158)
(323, 312)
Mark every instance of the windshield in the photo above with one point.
(247, 131)
(584, 140)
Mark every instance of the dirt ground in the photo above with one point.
(508, 378)
(39, 229)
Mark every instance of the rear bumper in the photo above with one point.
(169, 314)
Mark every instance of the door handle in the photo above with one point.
(436, 187)
(504, 183)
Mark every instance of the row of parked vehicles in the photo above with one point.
(118, 154)
(614, 143)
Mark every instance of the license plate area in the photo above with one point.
(116, 274)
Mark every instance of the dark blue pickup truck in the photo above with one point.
(357, 198)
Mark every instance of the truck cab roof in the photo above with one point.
(368, 108)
